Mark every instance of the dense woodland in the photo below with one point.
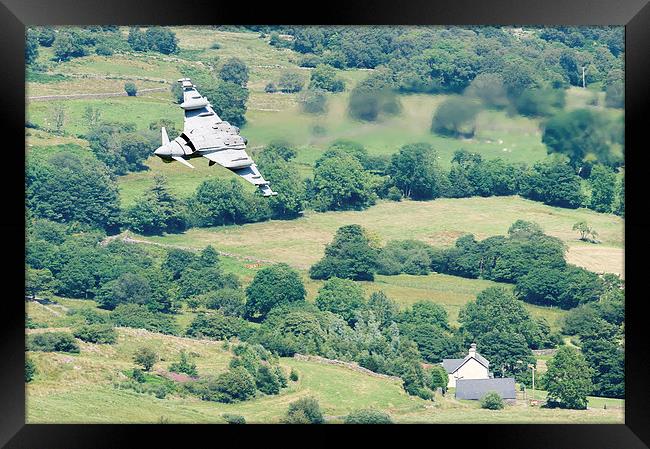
(73, 204)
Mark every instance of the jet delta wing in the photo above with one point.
(206, 135)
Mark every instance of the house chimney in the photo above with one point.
(472, 350)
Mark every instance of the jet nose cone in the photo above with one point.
(162, 151)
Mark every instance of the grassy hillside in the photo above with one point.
(440, 222)
(78, 389)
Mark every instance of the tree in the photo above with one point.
(30, 369)
(415, 171)
(234, 71)
(439, 378)
(161, 39)
(92, 116)
(31, 46)
(342, 297)
(455, 117)
(619, 204)
(553, 182)
(176, 261)
(96, 333)
(583, 136)
(606, 358)
(602, 181)
(52, 342)
(228, 100)
(324, 77)
(568, 379)
(313, 101)
(157, 211)
(492, 401)
(508, 352)
(585, 231)
(368, 416)
(489, 88)
(383, 308)
(219, 202)
(496, 308)
(66, 188)
(58, 118)
(304, 411)
(137, 39)
(235, 385)
(39, 283)
(349, 256)
(146, 357)
(290, 82)
(67, 46)
(340, 183)
(271, 287)
(46, 36)
(141, 317)
(216, 326)
(130, 89)
(129, 287)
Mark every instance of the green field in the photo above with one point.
(440, 222)
(78, 389)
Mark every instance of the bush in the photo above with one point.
(184, 365)
(290, 82)
(30, 369)
(233, 419)
(368, 416)
(293, 375)
(96, 333)
(130, 89)
(146, 357)
(492, 401)
(270, 88)
(234, 385)
(394, 194)
(304, 411)
(103, 50)
(216, 326)
(138, 375)
(140, 317)
(53, 342)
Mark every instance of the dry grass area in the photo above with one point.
(598, 258)
(301, 242)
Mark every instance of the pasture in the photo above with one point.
(78, 388)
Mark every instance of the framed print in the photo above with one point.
(387, 214)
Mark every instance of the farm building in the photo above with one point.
(473, 366)
(477, 388)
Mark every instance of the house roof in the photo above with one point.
(452, 365)
(477, 388)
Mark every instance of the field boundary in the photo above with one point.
(349, 365)
(101, 95)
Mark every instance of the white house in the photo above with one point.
(473, 366)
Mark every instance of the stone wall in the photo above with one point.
(349, 365)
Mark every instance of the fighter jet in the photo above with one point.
(206, 135)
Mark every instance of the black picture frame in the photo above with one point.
(15, 15)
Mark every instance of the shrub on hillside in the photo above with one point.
(368, 416)
(96, 333)
(304, 411)
(130, 89)
(30, 369)
(216, 326)
(53, 342)
(146, 357)
(233, 419)
(492, 401)
(140, 317)
(293, 375)
(184, 365)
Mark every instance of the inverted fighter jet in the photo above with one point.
(206, 135)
